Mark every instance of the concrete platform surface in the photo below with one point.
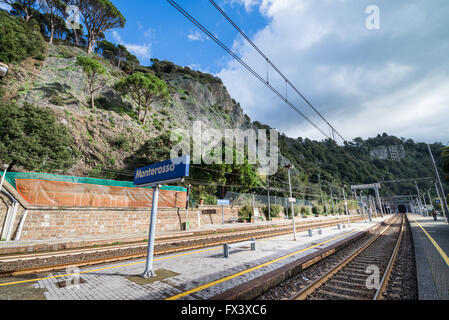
(431, 240)
(195, 275)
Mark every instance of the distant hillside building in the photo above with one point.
(392, 152)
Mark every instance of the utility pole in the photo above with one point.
(289, 168)
(443, 200)
(321, 190)
(332, 200)
(346, 207)
(430, 198)
(425, 204)
(379, 200)
(268, 202)
(419, 198)
(254, 209)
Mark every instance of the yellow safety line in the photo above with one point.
(102, 269)
(442, 253)
(210, 284)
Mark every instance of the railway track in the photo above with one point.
(348, 279)
(23, 264)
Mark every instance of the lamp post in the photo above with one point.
(290, 167)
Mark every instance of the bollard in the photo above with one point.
(310, 233)
(344, 226)
(226, 250)
(320, 232)
(253, 244)
(339, 226)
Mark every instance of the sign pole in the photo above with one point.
(222, 214)
(149, 273)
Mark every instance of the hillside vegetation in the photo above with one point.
(108, 132)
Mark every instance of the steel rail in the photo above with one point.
(243, 237)
(310, 289)
(386, 277)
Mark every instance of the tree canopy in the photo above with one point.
(33, 139)
(18, 40)
(144, 89)
(95, 72)
(99, 16)
(118, 55)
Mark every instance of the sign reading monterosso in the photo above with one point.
(164, 172)
(155, 175)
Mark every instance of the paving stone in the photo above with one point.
(190, 271)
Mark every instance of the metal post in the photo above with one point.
(269, 202)
(222, 215)
(362, 206)
(443, 200)
(419, 198)
(346, 207)
(332, 200)
(3, 177)
(149, 273)
(293, 209)
(379, 201)
(321, 190)
(430, 198)
(254, 212)
(425, 204)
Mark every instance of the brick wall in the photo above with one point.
(45, 224)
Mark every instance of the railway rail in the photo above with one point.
(23, 264)
(348, 279)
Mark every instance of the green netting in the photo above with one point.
(12, 176)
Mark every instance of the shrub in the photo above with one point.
(120, 143)
(275, 210)
(246, 213)
(2, 92)
(318, 210)
(57, 100)
(34, 139)
(305, 211)
(19, 40)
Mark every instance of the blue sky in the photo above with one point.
(156, 29)
(392, 79)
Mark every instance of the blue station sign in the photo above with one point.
(164, 172)
(223, 202)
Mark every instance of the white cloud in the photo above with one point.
(196, 36)
(248, 4)
(392, 80)
(142, 51)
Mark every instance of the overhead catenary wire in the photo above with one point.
(269, 62)
(208, 33)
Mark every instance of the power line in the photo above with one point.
(275, 68)
(207, 32)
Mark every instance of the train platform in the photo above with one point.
(15, 247)
(193, 275)
(431, 241)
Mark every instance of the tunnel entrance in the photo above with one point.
(402, 209)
